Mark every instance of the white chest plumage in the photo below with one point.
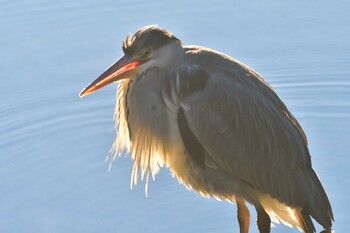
(148, 129)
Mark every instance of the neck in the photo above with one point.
(169, 56)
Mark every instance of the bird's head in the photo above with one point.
(149, 47)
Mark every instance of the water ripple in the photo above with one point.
(40, 115)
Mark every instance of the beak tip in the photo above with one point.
(83, 93)
(87, 90)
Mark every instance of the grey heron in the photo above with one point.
(218, 126)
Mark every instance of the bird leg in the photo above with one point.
(243, 216)
(263, 220)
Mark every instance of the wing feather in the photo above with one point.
(249, 133)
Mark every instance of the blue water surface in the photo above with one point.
(53, 174)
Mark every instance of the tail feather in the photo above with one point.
(305, 222)
(279, 211)
(313, 202)
(321, 209)
(297, 217)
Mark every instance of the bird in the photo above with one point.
(218, 126)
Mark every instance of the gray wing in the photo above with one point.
(249, 133)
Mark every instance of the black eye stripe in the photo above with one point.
(151, 37)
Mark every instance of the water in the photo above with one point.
(53, 144)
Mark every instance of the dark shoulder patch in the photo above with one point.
(189, 79)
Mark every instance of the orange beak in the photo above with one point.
(116, 72)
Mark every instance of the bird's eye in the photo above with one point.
(146, 53)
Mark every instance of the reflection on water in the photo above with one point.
(53, 144)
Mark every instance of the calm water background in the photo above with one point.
(53, 175)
